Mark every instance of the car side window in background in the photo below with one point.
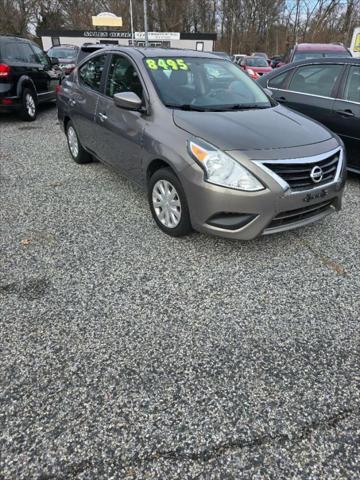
(25, 52)
(278, 81)
(352, 87)
(123, 77)
(40, 56)
(17, 52)
(90, 73)
(315, 79)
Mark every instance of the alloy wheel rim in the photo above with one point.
(166, 203)
(30, 104)
(73, 142)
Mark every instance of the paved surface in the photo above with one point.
(126, 354)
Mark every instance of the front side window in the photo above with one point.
(122, 77)
(352, 88)
(91, 72)
(204, 83)
(40, 56)
(278, 81)
(316, 79)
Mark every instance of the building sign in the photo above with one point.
(357, 43)
(106, 19)
(158, 36)
(99, 34)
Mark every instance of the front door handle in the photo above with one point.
(102, 117)
(346, 113)
(281, 99)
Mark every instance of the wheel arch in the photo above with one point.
(26, 82)
(66, 121)
(155, 165)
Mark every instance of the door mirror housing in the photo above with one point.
(128, 100)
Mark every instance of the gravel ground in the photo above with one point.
(127, 354)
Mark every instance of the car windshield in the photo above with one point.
(198, 83)
(66, 53)
(256, 62)
(310, 55)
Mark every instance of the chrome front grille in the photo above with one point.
(304, 174)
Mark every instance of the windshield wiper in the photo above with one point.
(188, 107)
(216, 108)
(245, 106)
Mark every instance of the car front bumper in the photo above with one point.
(246, 215)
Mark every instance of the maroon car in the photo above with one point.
(307, 51)
(255, 66)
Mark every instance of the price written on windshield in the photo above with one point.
(166, 64)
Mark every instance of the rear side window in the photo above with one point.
(352, 87)
(315, 79)
(18, 52)
(278, 81)
(91, 72)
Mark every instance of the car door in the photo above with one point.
(84, 97)
(347, 113)
(120, 131)
(311, 90)
(39, 72)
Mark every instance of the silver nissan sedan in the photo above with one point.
(215, 152)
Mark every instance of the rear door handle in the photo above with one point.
(102, 117)
(346, 113)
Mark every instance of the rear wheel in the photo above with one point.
(168, 203)
(78, 153)
(28, 110)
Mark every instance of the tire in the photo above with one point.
(29, 106)
(78, 153)
(173, 218)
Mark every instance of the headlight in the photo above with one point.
(250, 71)
(220, 169)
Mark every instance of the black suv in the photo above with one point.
(27, 76)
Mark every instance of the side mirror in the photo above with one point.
(54, 61)
(268, 92)
(128, 100)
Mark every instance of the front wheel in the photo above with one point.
(168, 203)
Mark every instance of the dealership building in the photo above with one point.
(194, 41)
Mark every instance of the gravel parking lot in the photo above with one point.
(127, 354)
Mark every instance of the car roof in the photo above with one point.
(254, 56)
(175, 52)
(152, 51)
(310, 61)
(64, 45)
(14, 38)
(326, 47)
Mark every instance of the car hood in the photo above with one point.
(276, 127)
